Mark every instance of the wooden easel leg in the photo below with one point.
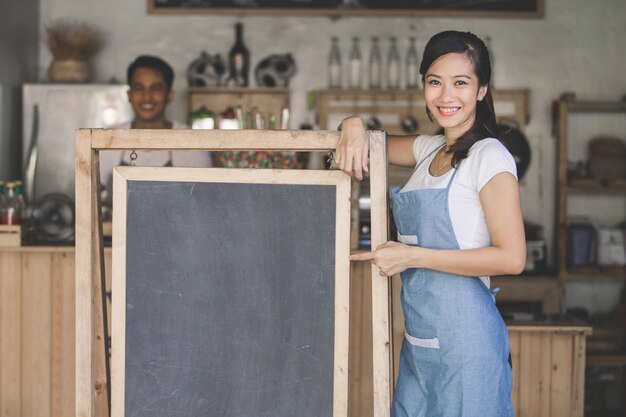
(382, 349)
(91, 370)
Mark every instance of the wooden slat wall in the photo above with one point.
(548, 372)
(37, 360)
(10, 333)
(37, 339)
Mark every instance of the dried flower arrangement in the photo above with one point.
(71, 45)
(72, 40)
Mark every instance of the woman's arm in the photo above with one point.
(353, 148)
(507, 255)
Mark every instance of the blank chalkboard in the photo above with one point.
(528, 8)
(226, 292)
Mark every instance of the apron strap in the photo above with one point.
(428, 156)
(456, 169)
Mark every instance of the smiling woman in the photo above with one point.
(459, 221)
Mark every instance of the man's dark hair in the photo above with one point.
(152, 62)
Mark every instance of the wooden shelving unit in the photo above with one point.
(568, 187)
(581, 186)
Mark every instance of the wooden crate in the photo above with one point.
(10, 235)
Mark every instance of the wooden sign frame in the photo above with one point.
(92, 369)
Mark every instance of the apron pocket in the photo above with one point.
(425, 343)
(407, 239)
(424, 353)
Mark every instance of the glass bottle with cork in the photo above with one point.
(238, 61)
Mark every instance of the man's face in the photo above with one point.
(148, 95)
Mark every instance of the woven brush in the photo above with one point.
(71, 40)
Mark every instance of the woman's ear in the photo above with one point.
(482, 92)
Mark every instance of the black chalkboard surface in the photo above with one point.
(229, 299)
(529, 8)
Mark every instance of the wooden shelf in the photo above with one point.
(606, 360)
(567, 106)
(597, 272)
(591, 186)
(217, 99)
(596, 106)
(544, 289)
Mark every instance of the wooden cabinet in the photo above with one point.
(548, 369)
(569, 111)
(37, 331)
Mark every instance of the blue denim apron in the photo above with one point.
(454, 358)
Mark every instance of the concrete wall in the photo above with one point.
(19, 47)
(578, 46)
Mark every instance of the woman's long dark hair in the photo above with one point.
(467, 43)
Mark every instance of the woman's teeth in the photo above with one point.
(448, 110)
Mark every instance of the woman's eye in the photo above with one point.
(461, 82)
(433, 82)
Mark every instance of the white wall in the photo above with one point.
(578, 46)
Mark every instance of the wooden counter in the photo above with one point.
(37, 334)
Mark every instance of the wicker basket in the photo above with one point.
(68, 70)
(607, 158)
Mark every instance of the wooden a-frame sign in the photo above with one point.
(92, 368)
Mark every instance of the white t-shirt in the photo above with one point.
(485, 159)
(110, 159)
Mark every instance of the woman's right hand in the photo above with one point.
(353, 147)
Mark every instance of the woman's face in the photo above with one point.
(451, 92)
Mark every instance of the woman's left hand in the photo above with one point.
(390, 257)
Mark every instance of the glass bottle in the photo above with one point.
(14, 204)
(238, 60)
(334, 64)
(393, 65)
(375, 65)
(355, 65)
(412, 69)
